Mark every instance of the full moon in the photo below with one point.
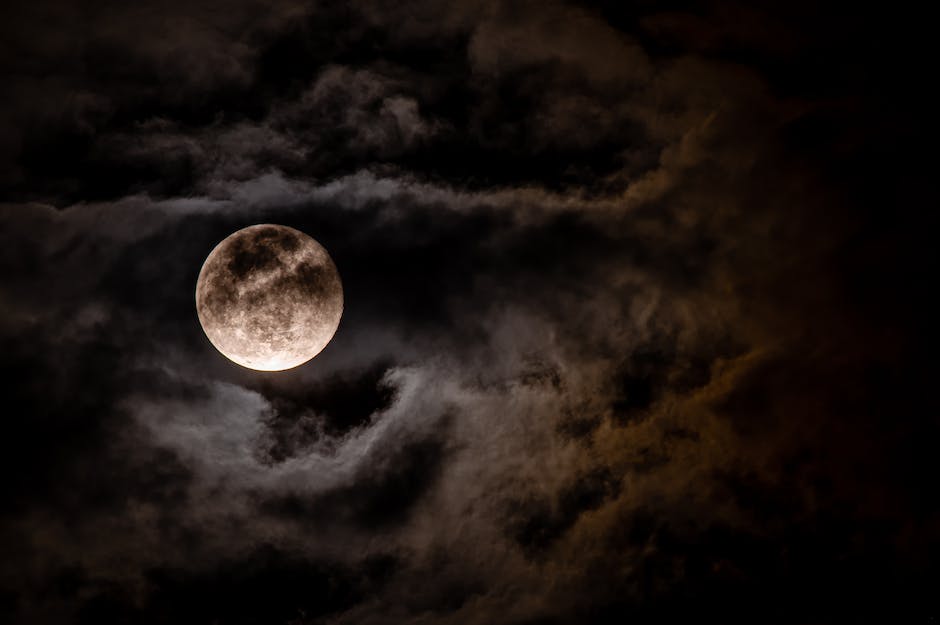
(269, 297)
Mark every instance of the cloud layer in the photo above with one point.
(632, 329)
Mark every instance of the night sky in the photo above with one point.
(636, 318)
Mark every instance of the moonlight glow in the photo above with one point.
(269, 297)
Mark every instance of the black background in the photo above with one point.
(637, 323)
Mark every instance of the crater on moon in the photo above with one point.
(269, 297)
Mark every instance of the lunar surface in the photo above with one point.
(269, 297)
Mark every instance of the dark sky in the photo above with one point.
(636, 323)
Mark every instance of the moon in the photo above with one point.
(269, 297)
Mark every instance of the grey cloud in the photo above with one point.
(364, 110)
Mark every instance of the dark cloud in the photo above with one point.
(636, 321)
(303, 415)
(535, 525)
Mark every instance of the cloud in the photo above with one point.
(621, 341)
